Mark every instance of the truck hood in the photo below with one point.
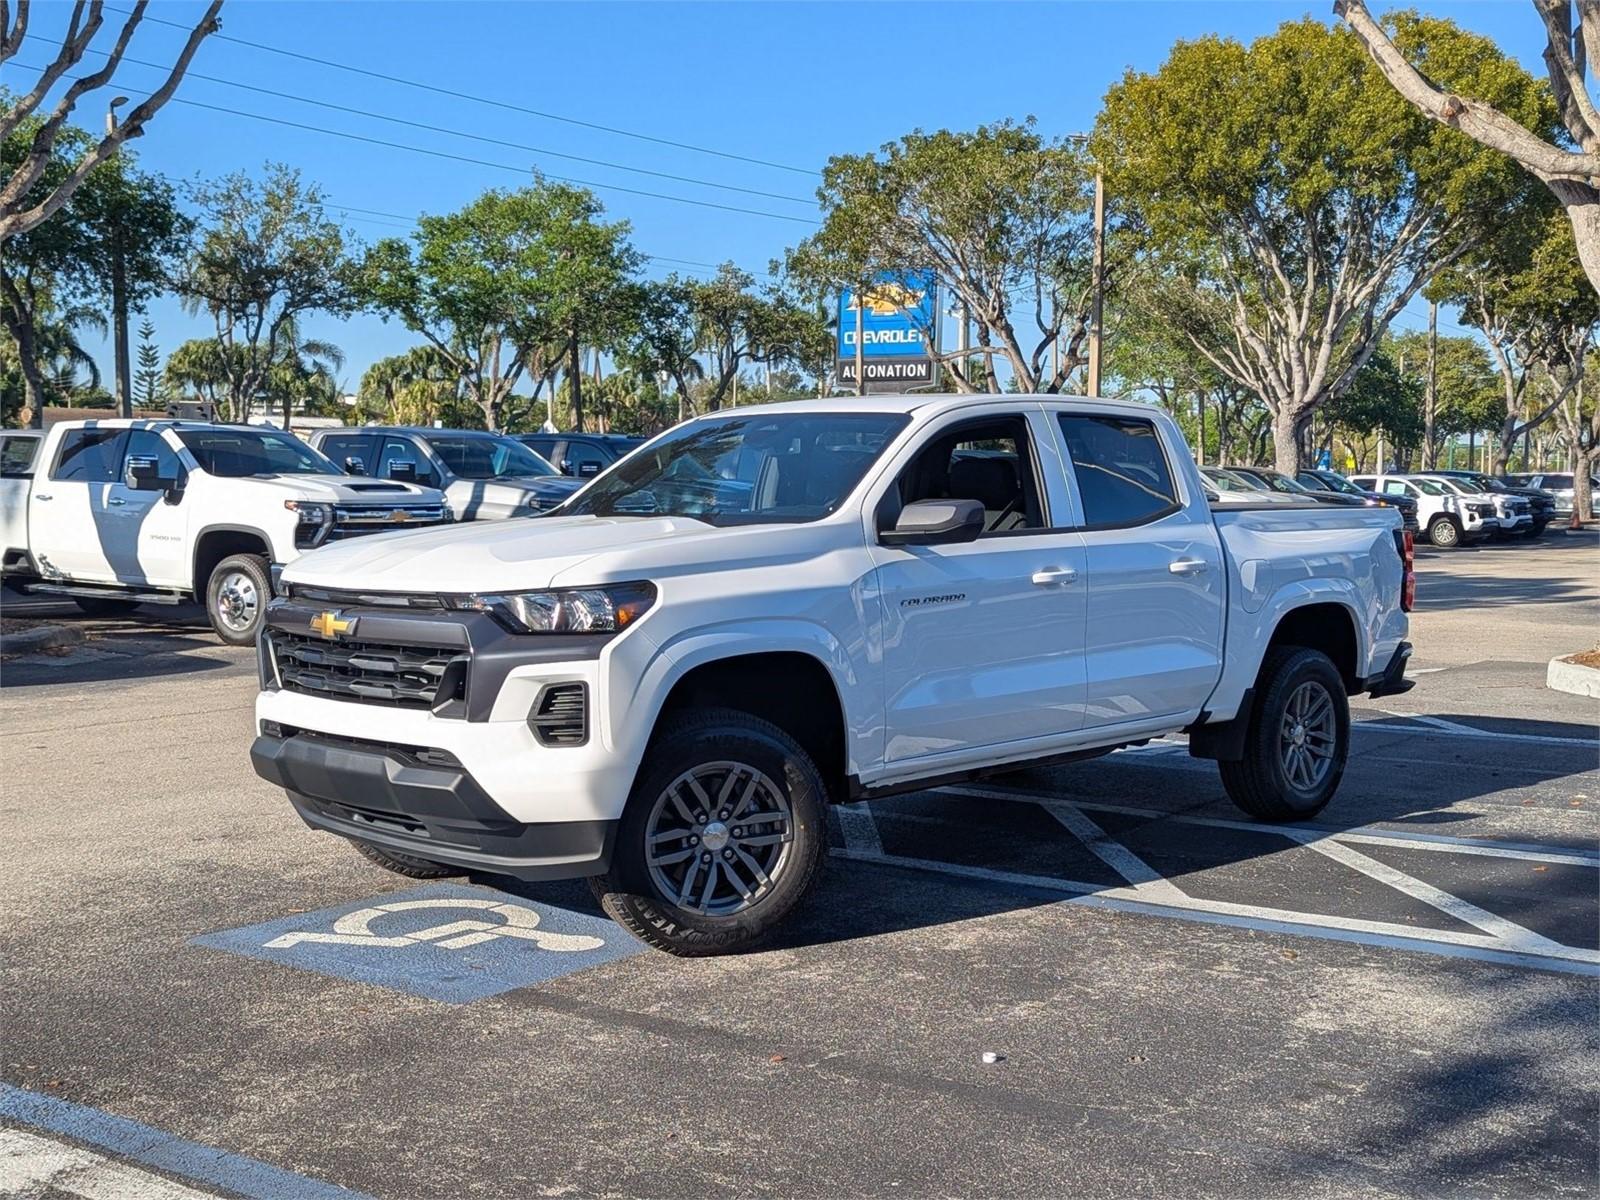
(344, 489)
(519, 554)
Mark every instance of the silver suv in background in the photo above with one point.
(1560, 485)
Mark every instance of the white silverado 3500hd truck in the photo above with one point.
(767, 610)
(113, 513)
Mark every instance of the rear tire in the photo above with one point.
(95, 606)
(1297, 740)
(403, 864)
(236, 598)
(722, 838)
(1444, 533)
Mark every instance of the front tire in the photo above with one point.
(1444, 533)
(403, 864)
(1297, 741)
(236, 598)
(722, 838)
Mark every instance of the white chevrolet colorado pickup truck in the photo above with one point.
(112, 513)
(770, 609)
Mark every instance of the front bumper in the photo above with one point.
(424, 803)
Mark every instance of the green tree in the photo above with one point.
(1003, 217)
(149, 389)
(195, 370)
(24, 204)
(268, 256)
(1381, 402)
(1466, 388)
(417, 387)
(1293, 203)
(1525, 290)
(505, 288)
(68, 259)
(1568, 166)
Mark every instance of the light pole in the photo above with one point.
(119, 295)
(1098, 267)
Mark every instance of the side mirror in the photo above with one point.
(403, 470)
(566, 467)
(354, 466)
(143, 475)
(935, 523)
(588, 470)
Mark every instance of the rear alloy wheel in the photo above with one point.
(722, 837)
(236, 598)
(1444, 533)
(1297, 741)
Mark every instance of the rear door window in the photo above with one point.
(90, 455)
(585, 454)
(16, 457)
(1121, 469)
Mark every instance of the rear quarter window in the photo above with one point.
(16, 457)
(1121, 469)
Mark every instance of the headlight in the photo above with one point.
(606, 609)
(310, 513)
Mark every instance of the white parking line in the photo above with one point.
(33, 1164)
(1448, 942)
(1368, 834)
(859, 828)
(1439, 727)
(1145, 879)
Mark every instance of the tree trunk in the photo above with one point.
(1286, 441)
(1583, 210)
(1430, 392)
(575, 378)
(1582, 493)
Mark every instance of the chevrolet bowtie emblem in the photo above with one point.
(331, 624)
(399, 515)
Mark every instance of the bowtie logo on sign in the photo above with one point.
(513, 921)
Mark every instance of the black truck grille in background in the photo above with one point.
(560, 715)
(371, 672)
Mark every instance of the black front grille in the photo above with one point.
(561, 715)
(371, 672)
(355, 520)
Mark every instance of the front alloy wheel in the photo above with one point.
(721, 839)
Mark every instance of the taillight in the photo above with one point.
(1407, 546)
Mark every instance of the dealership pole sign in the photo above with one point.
(898, 317)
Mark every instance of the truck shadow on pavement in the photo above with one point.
(145, 644)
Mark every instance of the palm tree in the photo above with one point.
(61, 355)
(303, 371)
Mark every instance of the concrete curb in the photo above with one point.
(44, 637)
(1564, 676)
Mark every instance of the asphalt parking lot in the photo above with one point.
(1399, 1000)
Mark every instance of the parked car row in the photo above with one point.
(1254, 485)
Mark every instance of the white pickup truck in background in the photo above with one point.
(112, 513)
(663, 683)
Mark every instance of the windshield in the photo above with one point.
(1227, 479)
(488, 457)
(1338, 483)
(235, 453)
(1281, 483)
(1463, 485)
(763, 468)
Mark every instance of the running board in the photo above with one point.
(101, 593)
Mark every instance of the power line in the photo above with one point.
(461, 133)
(486, 100)
(462, 158)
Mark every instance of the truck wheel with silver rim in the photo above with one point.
(236, 598)
(1297, 740)
(1444, 533)
(722, 837)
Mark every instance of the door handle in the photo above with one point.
(1188, 566)
(1053, 575)
(38, 497)
(116, 502)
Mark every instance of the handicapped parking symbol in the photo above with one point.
(515, 921)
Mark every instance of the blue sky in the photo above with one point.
(788, 83)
